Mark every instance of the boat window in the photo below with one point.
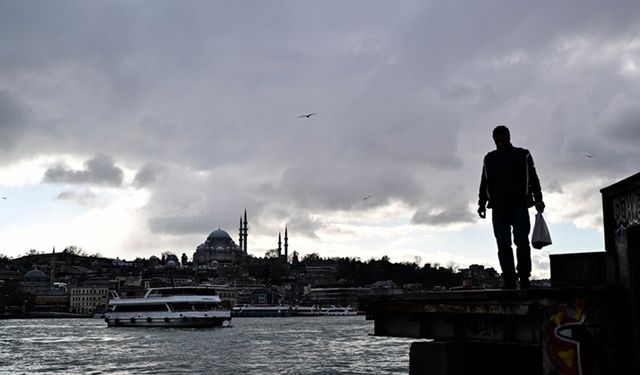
(180, 306)
(182, 292)
(204, 306)
(137, 308)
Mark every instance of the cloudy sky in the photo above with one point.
(130, 128)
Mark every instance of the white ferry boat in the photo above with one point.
(195, 306)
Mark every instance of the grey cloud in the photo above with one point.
(81, 198)
(185, 201)
(406, 97)
(625, 127)
(342, 186)
(443, 216)
(540, 259)
(100, 170)
(148, 175)
(12, 121)
(177, 225)
(305, 225)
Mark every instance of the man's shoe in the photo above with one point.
(525, 283)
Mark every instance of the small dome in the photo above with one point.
(35, 274)
(171, 264)
(219, 233)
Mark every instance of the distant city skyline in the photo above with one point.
(130, 128)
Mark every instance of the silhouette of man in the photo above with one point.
(509, 186)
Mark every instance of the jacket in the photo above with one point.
(509, 179)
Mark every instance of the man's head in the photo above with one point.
(501, 135)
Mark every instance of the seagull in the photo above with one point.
(588, 155)
(307, 115)
(4, 197)
(367, 197)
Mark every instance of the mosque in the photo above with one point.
(219, 249)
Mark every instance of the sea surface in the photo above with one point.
(294, 345)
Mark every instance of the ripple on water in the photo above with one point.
(313, 345)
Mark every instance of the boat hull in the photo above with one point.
(205, 319)
(184, 322)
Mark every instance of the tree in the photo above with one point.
(417, 260)
(74, 250)
(184, 260)
(313, 257)
(273, 253)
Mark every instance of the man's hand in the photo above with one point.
(482, 212)
(540, 206)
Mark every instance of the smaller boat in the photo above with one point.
(332, 310)
(300, 310)
(191, 306)
(244, 311)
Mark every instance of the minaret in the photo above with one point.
(286, 245)
(279, 246)
(240, 235)
(53, 267)
(246, 231)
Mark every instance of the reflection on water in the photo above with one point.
(298, 345)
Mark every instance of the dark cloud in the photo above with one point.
(624, 129)
(148, 175)
(13, 120)
(100, 170)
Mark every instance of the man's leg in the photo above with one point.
(501, 219)
(521, 228)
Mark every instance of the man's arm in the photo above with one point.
(482, 194)
(534, 184)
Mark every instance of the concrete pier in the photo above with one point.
(561, 329)
(588, 322)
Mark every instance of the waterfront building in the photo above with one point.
(228, 294)
(321, 274)
(86, 300)
(336, 296)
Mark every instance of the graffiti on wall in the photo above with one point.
(576, 339)
(626, 209)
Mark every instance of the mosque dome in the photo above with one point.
(218, 234)
(35, 275)
(171, 264)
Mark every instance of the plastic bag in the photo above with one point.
(540, 237)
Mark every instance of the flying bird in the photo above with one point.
(367, 197)
(307, 115)
(4, 197)
(589, 155)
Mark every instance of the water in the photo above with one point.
(297, 345)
